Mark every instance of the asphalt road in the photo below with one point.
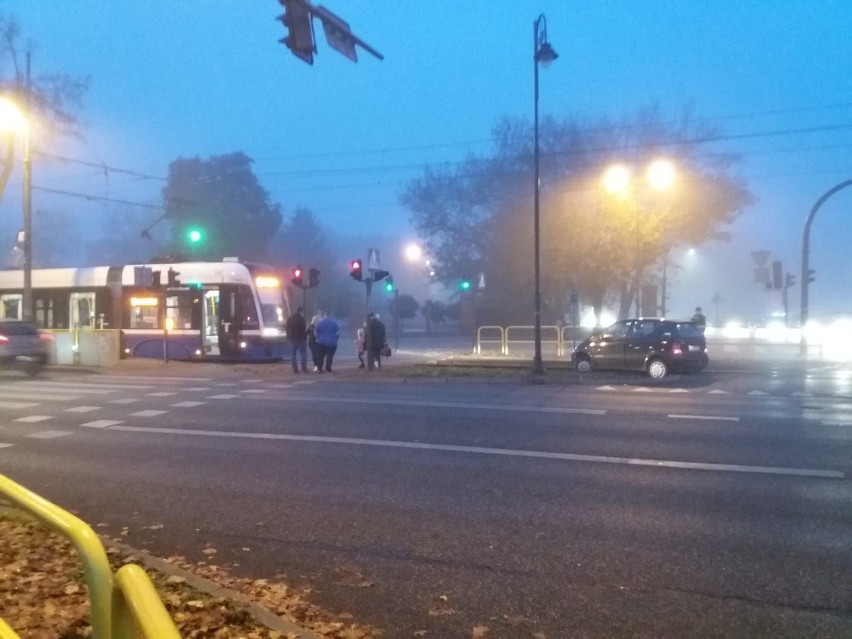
(715, 505)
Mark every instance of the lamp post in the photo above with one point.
(543, 54)
(14, 121)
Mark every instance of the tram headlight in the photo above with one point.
(243, 344)
(270, 331)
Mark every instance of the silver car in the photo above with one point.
(23, 346)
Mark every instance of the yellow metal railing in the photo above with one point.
(121, 608)
(500, 340)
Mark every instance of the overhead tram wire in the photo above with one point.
(96, 198)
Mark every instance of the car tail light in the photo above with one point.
(4, 339)
(46, 337)
(677, 348)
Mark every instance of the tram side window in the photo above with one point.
(144, 313)
(44, 312)
(179, 309)
(10, 306)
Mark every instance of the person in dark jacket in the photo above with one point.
(376, 336)
(297, 333)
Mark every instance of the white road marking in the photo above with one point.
(32, 419)
(18, 404)
(506, 452)
(2, 445)
(156, 378)
(227, 384)
(254, 390)
(161, 394)
(188, 404)
(756, 392)
(605, 388)
(148, 413)
(799, 394)
(415, 403)
(641, 389)
(197, 388)
(124, 400)
(43, 397)
(706, 417)
(306, 381)
(82, 409)
(225, 396)
(66, 387)
(678, 390)
(101, 423)
(252, 381)
(717, 392)
(50, 434)
(282, 386)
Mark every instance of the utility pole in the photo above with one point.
(27, 298)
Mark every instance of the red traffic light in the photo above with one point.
(297, 276)
(356, 270)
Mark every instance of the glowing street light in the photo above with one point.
(661, 176)
(413, 252)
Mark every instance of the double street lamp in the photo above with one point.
(543, 54)
(660, 175)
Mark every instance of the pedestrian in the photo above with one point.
(375, 341)
(361, 344)
(328, 332)
(297, 333)
(699, 319)
(312, 340)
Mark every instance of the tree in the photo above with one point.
(51, 99)
(403, 307)
(223, 202)
(477, 217)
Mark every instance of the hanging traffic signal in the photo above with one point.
(355, 270)
(811, 275)
(300, 31)
(389, 287)
(790, 280)
(173, 275)
(297, 276)
(313, 277)
(464, 284)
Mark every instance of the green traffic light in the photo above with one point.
(388, 287)
(464, 285)
(195, 236)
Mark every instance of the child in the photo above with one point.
(361, 345)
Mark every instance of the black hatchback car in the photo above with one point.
(657, 346)
(23, 346)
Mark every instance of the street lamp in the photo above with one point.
(543, 54)
(14, 120)
(660, 175)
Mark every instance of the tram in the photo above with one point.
(228, 310)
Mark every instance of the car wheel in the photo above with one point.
(584, 365)
(657, 369)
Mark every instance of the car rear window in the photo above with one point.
(688, 330)
(17, 328)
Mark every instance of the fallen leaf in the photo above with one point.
(478, 632)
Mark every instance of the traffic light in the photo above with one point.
(355, 270)
(464, 284)
(378, 276)
(790, 280)
(389, 287)
(297, 276)
(811, 275)
(313, 277)
(300, 31)
(194, 235)
(173, 275)
(777, 277)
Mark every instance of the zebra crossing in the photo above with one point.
(34, 404)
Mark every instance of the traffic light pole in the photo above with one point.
(806, 272)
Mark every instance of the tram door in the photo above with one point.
(83, 310)
(228, 329)
(210, 322)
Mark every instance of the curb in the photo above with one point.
(258, 612)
